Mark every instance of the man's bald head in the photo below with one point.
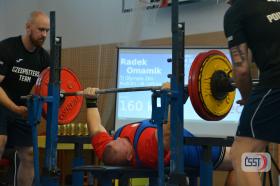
(37, 28)
(33, 17)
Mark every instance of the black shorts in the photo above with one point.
(260, 117)
(17, 129)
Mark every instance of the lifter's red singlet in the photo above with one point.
(146, 148)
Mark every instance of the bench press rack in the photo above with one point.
(106, 174)
(175, 97)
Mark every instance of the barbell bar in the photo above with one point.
(134, 89)
(255, 82)
(113, 90)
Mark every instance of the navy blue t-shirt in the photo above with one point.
(20, 67)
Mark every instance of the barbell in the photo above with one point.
(112, 90)
(210, 88)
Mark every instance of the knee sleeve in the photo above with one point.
(26, 156)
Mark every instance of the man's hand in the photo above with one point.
(242, 101)
(165, 85)
(21, 110)
(90, 92)
(241, 60)
(166, 127)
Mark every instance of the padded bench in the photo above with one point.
(105, 174)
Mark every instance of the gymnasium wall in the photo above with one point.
(96, 66)
(13, 16)
(88, 23)
(90, 27)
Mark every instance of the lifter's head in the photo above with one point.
(37, 28)
(118, 152)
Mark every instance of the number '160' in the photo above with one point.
(131, 106)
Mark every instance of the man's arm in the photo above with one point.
(241, 70)
(166, 126)
(94, 121)
(9, 104)
(93, 117)
(4, 99)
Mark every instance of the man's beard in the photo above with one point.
(36, 42)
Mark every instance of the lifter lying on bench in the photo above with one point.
(125, 149)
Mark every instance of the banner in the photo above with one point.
(129, 5)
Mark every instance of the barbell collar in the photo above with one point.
(255, 82)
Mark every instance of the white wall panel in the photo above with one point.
(90, 22)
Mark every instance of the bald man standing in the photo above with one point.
(22, 58)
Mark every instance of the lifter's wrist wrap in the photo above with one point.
(91, 102)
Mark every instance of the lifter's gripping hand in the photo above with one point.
(89, 93)
(91, 97)
(165, 86)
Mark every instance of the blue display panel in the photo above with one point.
(139, 67)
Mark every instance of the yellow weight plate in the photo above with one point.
(211, 64)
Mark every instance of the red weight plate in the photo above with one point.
(215, 52)
(70, 106)
(193, 87)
